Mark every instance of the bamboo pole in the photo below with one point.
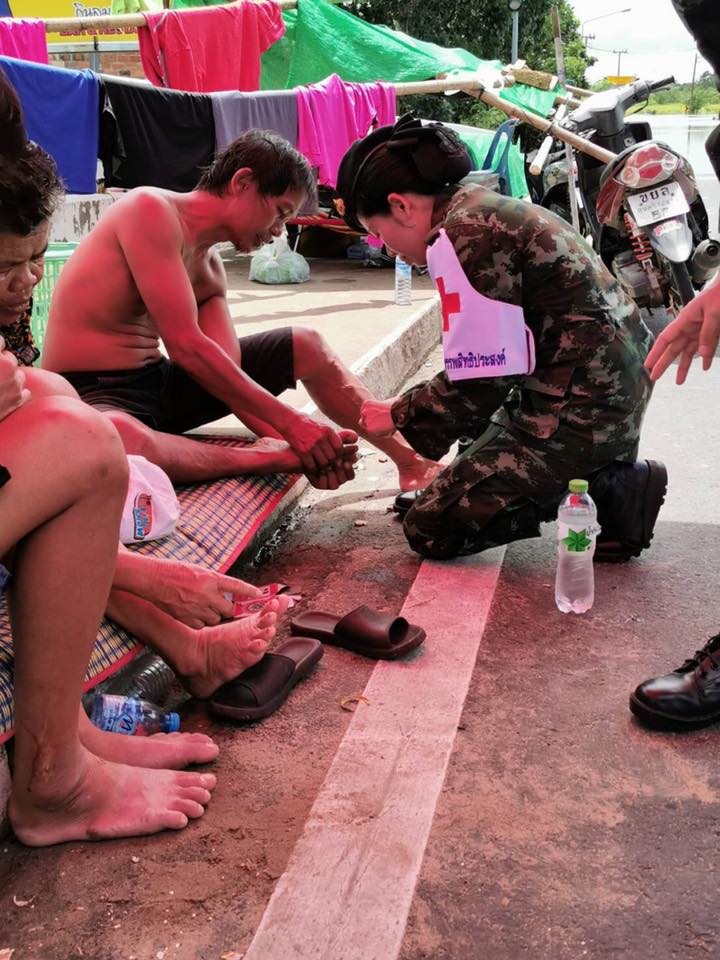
(118, 21)
(477, 89)
(579, 91)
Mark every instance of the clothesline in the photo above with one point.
(121, 20)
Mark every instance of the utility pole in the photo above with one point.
(569, 159)
(514, 7)
(691, 101)
(619, 54)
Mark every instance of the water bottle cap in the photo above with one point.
(578, 486)
(172, 722)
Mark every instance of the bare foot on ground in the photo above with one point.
(104, 800)
(282, 459)
(162, 751)
(417, 473)
(218, 654)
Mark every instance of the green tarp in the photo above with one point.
(323, 39)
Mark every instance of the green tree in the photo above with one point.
(484, 27)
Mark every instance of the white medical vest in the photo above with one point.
(481, 337)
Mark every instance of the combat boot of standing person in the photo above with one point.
(543, 354)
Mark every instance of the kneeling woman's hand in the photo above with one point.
(376, 418)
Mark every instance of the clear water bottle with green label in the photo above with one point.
(577, 532)
(135, 718)
(403, 281)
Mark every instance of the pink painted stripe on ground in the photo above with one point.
(350, 881)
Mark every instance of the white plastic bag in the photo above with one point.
(276, 263)
(151, 508)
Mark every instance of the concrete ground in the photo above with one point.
(491, 797)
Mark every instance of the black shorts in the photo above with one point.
(164, 397)
(4, 475)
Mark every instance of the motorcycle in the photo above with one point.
(642, 212)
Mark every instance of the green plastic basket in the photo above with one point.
(56, 256)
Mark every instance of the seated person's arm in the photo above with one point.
(13, 389)
(215, 322)
(152, 244)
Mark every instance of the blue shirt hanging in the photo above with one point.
(61, 110)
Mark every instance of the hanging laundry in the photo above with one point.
(157, 138)
(61, 110)
(237, 112)
(333, 114)
(209, 49)
(24, 38)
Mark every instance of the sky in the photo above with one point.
(656, 40)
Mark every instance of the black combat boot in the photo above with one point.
(687, 698)
(628, 497)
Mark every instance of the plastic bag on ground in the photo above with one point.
(277, 263)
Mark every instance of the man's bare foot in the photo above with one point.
(277, 456)
(223, 652)
(162, 751)
(417, 472)
(102, 800)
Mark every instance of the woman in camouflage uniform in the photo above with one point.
(568, 404)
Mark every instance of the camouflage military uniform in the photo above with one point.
(579, 410)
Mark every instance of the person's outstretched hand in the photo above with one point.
(13, 392)
(695, 331)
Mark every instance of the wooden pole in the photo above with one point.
(118, 21)
(476, 88)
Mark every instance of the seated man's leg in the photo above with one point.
(498, 491)
(60, 510)
(339, 394)
(150, 407)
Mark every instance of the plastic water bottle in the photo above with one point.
(403, 281)
(577, 532)
(132, 717)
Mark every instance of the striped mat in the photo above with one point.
(217, 522)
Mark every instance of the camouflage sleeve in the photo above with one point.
(432, 415)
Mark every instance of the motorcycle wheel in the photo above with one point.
(682, 282)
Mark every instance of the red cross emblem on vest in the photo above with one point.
(449, 303)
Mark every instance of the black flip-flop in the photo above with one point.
(261, 689)
(364, 630)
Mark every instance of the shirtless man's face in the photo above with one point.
(21, 268)
(254, 218)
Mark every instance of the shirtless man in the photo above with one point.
(147, 272)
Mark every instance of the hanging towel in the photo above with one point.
(154, 138)
(61, 110)
(210, 48)
(333, 114)
(237, 112)
(24, 39)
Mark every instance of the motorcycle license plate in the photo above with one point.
(659, 203)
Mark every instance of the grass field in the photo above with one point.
(679, 107)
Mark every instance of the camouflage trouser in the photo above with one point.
(498, 491)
